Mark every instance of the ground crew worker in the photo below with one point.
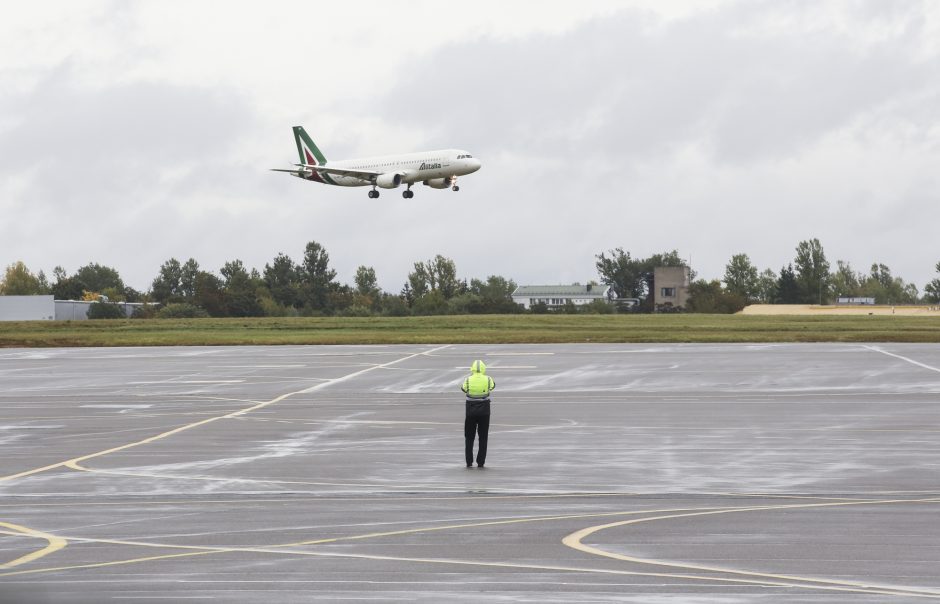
(477, 387)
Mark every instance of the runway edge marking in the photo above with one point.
(903, 358)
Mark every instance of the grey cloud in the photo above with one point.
(114, 167)
(620, 86)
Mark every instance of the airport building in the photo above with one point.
(557, 296)
(671, 286)
(46, 308)
(27, 308)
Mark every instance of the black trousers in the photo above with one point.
(476, 422)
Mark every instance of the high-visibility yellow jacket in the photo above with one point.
(478, 385)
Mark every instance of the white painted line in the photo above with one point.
(897, 356)
(501, 367)
(172, 382)
(254, 366)
(104, 406)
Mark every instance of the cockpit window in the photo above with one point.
(464, 156)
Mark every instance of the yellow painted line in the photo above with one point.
(203, 550)
(105, 564)
(476, 563)
(239, 413)
(55, 544)
(575, 541)
(757, 579)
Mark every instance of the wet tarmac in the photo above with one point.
(628, 473)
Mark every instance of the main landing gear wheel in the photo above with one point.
(373, 194)
(408, 194)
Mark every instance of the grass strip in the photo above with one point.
(470, 329)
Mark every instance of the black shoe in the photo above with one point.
(469, 465)
(479, 465)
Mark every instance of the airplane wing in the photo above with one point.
(307, 169)
(363, 174)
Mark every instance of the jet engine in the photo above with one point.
(438, 183)
(389, 180)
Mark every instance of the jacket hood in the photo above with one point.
(478, 367)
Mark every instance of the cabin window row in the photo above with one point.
(417, 161)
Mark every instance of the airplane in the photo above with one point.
(436, 169)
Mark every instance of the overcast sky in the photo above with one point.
(132, 132)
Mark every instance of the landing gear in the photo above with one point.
(373, 194)
(456, 188)
(408, 193)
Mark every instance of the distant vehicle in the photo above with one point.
(436, 169)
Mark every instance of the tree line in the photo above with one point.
(808, 279)
(309, 287)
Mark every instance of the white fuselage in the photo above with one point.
(413, 167)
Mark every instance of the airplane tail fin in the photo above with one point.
(308, 151)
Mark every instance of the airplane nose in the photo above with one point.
(475, 164)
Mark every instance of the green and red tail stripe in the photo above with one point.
(310, 154)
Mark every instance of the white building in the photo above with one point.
(556, 296)
(27, 308)
(856, 300)
(46, 308)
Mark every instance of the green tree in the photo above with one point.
(69, 288)
(436, 275)
(812, 272)
(622, 272)
(282, 278)
(787, 290)
(105, 310)
(181, 310)
(741, 278)
(366, 292)
(189, 273)
(167, 286)
(394, 306)
(419, 282)
(599, 307)
(19, 281)
(209, 294)
(317, 278)
(445, 272)
(845, 281)
(932, 289)
(431, 303)
(493, 295)
(240, 291)
(366, 282)
(98, 278)
(632, 277)
(767, 287)
(709, 297)
(885, 288)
